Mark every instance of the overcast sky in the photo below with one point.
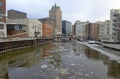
(72, 10)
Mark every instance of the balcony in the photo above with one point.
(114, 24)
(115, 20)
(114, 33)
(114, 29)
(115, 15)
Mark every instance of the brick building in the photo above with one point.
(47, 28)
(92, 31)
(95, 31)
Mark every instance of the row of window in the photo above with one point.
(1, 9)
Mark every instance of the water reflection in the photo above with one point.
(114, 69)
(55, 59)
(4, 70)
(113, 66)
(60, 61)
(45, 50)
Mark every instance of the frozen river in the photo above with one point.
(59, 61)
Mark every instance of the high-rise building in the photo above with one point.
(66, 28)
(56, 14)
(14, 14)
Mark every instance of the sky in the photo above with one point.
(72, 10)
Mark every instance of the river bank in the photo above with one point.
(114, 55)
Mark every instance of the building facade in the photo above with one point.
(118, 26)
(95, 31)
(87, 31)
(56, 14)
(49, 22)
(3, 32)
(14, 14)
(107, 30)
(80, 30)
(66, 28)
(101, 31)
(33, 26)
(114, 25)
(47, 28)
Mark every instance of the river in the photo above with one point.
(58, 61)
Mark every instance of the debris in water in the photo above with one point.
(79, 73)
(64, 71)
(44, 66)
(72, 64)
(57, 78)
(91, 72)
(87, 75)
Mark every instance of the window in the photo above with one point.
(1, 3)
(1, 26)
(17, 27)
(1, 11)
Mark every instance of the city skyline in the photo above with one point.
(80, 10)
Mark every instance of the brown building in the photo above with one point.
(95, 31)
(14, 14)
(47, 28)
(73, 30)
(87, 31)
(50, 22)
(92, 31)
(2, 10)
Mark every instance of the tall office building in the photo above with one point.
(56, 14)
(66, 28)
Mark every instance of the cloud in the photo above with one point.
(93, 10)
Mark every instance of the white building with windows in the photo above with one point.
(80, 28)
(114, 25)
(33, 26)
(104, 31)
